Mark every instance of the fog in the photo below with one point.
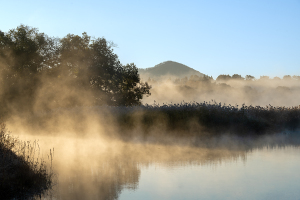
(94, 159)
(76, 99)
(260, 92)
(94, 168)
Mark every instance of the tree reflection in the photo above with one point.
(97, 172)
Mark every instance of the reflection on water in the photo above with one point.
(267, 174)
(91, 168)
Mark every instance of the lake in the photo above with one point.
(95, 168)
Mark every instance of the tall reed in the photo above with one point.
(23, 173)
(211, 118)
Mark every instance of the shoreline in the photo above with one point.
(22, 176)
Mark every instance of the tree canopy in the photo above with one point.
(31, 61)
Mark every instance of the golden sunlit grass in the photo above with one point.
(23, 174)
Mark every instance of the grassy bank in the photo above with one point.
(22, 173)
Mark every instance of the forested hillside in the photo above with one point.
(168, 69)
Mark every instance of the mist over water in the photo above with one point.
(89, 167)
(92, 161)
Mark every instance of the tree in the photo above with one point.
(34, 66)
(237, 77)
(223, 77)
(206, 78)
(249, 77)
(130, 90)
(114, 83)
(24, 52)
(75, 54)
(92, 65)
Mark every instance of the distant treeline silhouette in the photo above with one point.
(40, 72)
(222, 78)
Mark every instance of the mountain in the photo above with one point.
(168, 69)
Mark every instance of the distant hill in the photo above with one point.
(168, 68)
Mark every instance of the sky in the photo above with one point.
(246, 37)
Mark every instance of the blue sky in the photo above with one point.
(256, 37)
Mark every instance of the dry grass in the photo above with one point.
(23, 174)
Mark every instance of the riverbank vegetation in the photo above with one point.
(210, 119)
(185, 120)
(23, 173)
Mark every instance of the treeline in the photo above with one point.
(39, 72)
(224, 78)
(227, 89)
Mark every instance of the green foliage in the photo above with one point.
(97, 68)
(30, 60)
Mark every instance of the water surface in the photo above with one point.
(94, 168)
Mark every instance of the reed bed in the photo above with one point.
(184, 119)
(209, 119)
(23, 174)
